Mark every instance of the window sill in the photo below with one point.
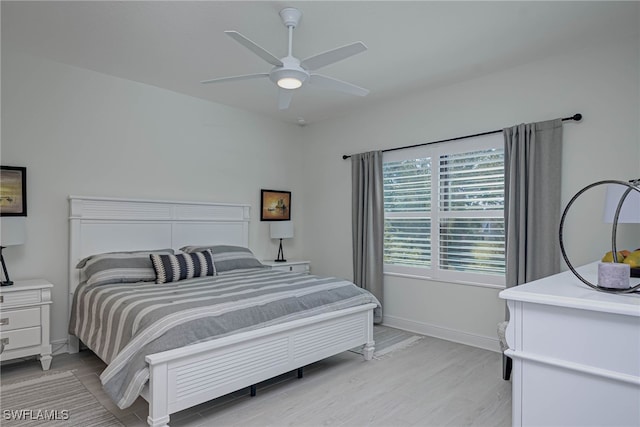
(457, 282)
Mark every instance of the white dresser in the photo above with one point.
(575, 351)
(297, 266)
(24, 320)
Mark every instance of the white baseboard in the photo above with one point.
(59, 347)
(480, 341)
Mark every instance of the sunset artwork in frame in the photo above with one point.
(275, 205)
(13, 191)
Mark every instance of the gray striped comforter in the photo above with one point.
(122, 323)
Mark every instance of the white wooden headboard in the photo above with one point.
(99, 224)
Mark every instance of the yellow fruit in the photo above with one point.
(608, 257)
(633, 259)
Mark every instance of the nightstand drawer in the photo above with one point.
(14, 299)
(21, 338)
(18, 319)
(298, 268)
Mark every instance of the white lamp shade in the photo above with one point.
(13, 231)
(630, 212)
(281, 230)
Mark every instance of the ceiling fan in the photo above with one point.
(289, 73)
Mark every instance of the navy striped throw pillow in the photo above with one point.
(172, 268)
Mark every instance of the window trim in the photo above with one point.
(479, 283)
(433, 273)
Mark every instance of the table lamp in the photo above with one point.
(12, 233)
(281, 230)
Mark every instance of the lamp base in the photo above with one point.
(280, 254)
(7, 282)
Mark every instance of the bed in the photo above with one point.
(188, 375)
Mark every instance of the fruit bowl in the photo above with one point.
(626, 256)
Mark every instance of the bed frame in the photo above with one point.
(187, 376)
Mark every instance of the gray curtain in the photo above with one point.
(533, 161)
(367, 221)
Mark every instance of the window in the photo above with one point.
(444, 211)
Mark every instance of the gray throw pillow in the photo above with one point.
(226, 257)
(119, 267)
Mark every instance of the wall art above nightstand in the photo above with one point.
(13, 191)
(275, 205)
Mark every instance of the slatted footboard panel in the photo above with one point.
(328, 339)
(185, 377)
(221, 370)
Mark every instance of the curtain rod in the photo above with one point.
(577, 117)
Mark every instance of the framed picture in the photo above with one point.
(275, 205)
(13, 191)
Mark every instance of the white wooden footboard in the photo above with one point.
(188, 376)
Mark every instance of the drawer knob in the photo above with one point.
(4, 321)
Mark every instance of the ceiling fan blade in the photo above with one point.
(232, 78)
(335, 84)
(262, 53)
(329, 57)
(284, 98)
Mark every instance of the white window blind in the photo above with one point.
(407, 201)
(444, 207)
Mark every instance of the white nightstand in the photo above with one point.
(297, 266)
(24, 320)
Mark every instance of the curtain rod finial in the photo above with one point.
(345, 157)
(577, 117)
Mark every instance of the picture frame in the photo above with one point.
(13, 191)
(275, 205)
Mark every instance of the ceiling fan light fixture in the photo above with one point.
(289, 78)
(289, 83)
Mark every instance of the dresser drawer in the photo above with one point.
(18, 319)
(21, 338)
(14, 299)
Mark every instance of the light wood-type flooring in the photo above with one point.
(432, 383)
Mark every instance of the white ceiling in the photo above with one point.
(414, 45)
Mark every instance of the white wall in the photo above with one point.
(600, 83)
(83, 133)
